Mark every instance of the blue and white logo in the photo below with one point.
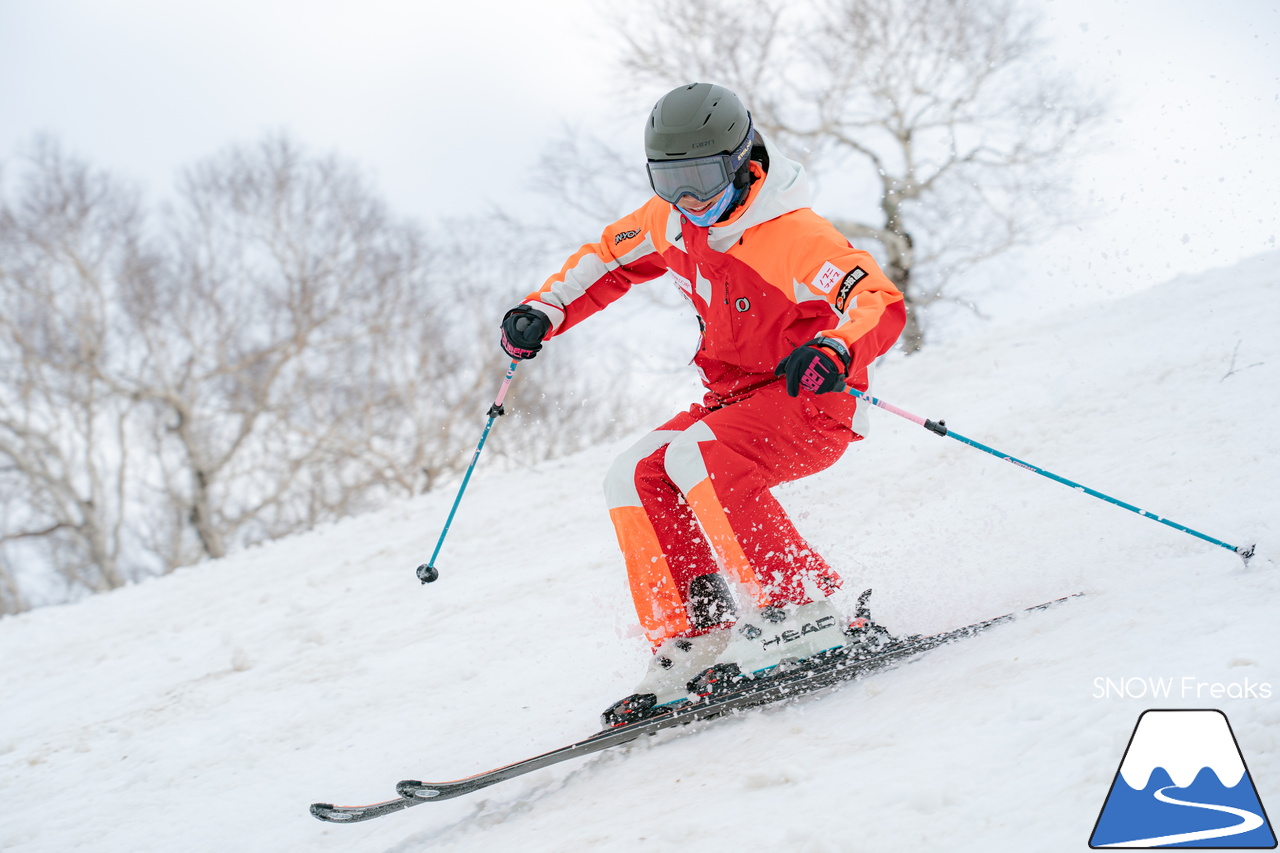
(1183, 783)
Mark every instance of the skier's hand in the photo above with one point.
(816, 367)
(523, 329)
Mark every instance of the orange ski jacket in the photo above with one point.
(773, 277)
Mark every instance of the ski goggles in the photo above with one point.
(704, 178)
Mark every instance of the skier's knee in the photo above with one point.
(684, 463)
(619, 483)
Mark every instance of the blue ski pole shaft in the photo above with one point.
(940, 428)
(427, 572)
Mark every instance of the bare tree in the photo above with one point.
(590, 179)
(273, 351)
(271, 336)
(326, 356)
(66, 439)
(947, 111)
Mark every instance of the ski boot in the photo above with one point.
(773, 639)
(777, 640)
(665, 683)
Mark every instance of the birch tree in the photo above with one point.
(272, 350)
(68, 241)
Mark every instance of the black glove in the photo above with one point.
(523, 329)
(811, 367)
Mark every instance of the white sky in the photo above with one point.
(1190, 178)
(409, 90)
(148, 87)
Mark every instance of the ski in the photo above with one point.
(354, 814)
(809, 678)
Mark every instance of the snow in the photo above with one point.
(206, 710)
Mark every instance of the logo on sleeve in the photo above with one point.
(625, 235)
(856, 275)
(828, 277)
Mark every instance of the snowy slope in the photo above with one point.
(206, 710)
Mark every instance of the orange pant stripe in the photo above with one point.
(649, 575)
(715, 523)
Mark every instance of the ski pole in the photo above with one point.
(940, 428)
(427, 571)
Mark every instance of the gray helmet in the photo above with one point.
(694, 121)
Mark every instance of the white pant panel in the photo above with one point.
(685, 465)
(620, 483)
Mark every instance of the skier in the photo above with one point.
(790, 314)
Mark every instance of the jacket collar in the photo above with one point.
(785, 188)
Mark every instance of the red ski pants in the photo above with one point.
(692, 497)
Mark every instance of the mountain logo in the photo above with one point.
(1183, 783)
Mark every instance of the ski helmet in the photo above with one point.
(698, 138)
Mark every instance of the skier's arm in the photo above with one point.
(629, 252)
(870, 310)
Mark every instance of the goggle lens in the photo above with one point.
(703, 178)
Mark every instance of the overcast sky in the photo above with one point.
(447, 106)
(437, 100)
